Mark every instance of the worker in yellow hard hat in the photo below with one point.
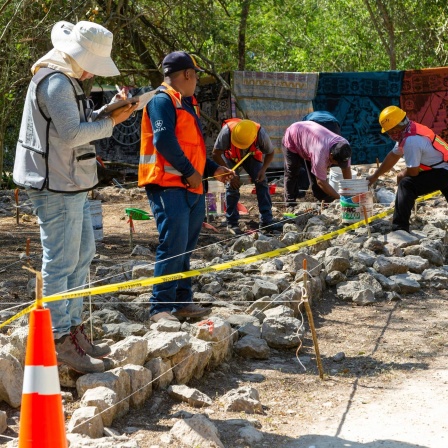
(426, 158)
(235, 139)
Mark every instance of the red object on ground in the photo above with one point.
(209, 323)
(272, 189)
(206, 225)
(242, 209)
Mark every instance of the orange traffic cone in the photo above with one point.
(41, 414)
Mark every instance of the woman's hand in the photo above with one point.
(123, 113)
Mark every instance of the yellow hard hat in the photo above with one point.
(244, 134)
(390, 117)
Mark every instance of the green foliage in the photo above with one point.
(6, 181)
(280, 35)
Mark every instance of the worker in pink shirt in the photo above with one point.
(310, 145)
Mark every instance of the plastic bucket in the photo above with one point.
(215, 197)
(336, 175)
(215, 186)
(355, 196)
(215, 203)
(96, 213)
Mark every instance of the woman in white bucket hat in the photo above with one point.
(56, 163)
(88, 43)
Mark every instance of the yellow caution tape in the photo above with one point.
(125, 286)
(18, 315)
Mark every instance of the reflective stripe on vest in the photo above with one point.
(234, 153)
(437, 143)
(151, 159)
(153, 167)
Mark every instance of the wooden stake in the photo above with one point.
(311, 320)
(38, 288)
(364, 210)
(377, 162)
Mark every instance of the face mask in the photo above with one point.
(395, 135)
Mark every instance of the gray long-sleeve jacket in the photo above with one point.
(54, 149)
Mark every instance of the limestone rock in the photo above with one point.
(197, 431)
(191, 396)
(87, 421)
(243, 399)
(104, 400)
(161, 371)
(252, 347)
(283, 332)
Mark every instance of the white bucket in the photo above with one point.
(215, 186)
(336, 175)
(355, 196)
(96, 213)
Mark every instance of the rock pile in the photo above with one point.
(255, 308)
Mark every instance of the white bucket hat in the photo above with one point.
(88, 43)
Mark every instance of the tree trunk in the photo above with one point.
(245, 6)
(384, 24)
(154, 76)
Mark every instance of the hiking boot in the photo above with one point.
(95, 351)
(164, 315)
(274, 225)
(396, 227)
(234, 230)
(69, 352)
(192, 310)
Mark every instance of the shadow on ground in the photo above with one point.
(317, 441)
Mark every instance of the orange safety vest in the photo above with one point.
(234, 153)
(438, 144)
(153, 168)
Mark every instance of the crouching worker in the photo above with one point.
(235, 139)
(426, 158)
(311, 145)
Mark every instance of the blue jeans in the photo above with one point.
(252, 168)
(68, 246)
(179, 216)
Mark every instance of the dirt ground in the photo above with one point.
(390, 390)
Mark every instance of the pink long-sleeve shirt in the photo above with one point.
(312, 142)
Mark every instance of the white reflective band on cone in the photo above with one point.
(41, 380)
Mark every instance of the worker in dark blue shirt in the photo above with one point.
(172, 167)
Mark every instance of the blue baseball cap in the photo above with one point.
(179, 60)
